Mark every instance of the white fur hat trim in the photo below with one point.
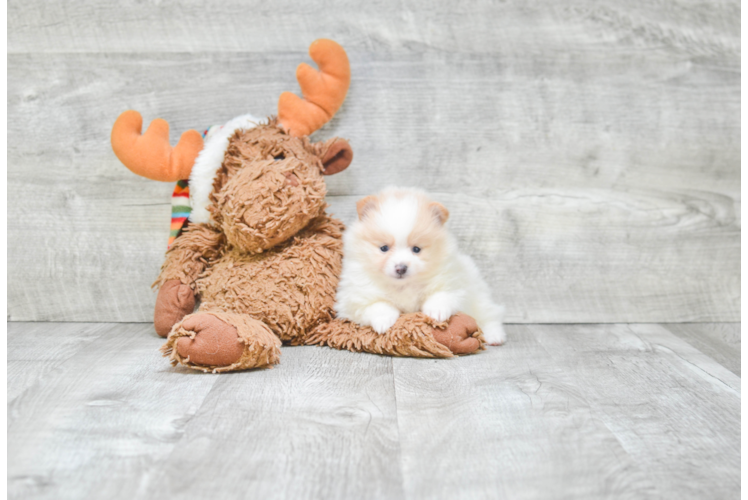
(209, 161)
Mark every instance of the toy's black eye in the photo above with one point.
(279, 156)
(416, 249)
(384, 248)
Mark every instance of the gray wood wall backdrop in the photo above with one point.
(588, 150)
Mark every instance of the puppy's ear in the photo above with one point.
(441, 213)
(366, 205)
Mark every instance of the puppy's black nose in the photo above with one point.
(401, 269)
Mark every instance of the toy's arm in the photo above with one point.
(190, 254)
(185, 260)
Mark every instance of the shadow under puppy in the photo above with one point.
(400, 258)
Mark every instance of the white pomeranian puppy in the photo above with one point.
(399, 258)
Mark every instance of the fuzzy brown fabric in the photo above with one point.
(414, 335)
(290, 287)
(261, 346)
(273, 209)
(268, 265)
(190, 255)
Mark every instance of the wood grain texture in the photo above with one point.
(94, 424)
(322, 424)
(560, 411)
(104, 422)
(744, 359)
(720, 341)
(569, 411)
(743, 457)
(674, 407)
(472, 27)
(744, 242)
(590, 150)
(38, 349)
(510, 423)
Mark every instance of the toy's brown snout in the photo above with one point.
(268, 201)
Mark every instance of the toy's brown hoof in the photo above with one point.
(458, 336)
(175, 301)
(216, 342)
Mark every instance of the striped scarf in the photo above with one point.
(180, 200)
(180, 209)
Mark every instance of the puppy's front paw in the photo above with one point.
(382, 316)
(494, 334)
(383, 323)
(439, 307)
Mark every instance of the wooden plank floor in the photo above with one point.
(561, 411)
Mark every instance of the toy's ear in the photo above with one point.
(366, 205)
(439, 211)
(336, 156)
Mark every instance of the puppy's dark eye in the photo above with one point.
(279, 157)
(384, 248)
(416, 249)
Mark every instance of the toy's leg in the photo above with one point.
(221, 342)
(414, 335)
(461, 336)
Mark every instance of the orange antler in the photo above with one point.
(324, 91)
(150, 155)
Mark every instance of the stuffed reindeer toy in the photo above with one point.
(259, 254)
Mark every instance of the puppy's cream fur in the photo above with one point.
(403, 227)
